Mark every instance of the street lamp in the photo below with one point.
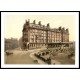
(27, 45)
(36, 40)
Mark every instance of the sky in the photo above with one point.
(13, 23)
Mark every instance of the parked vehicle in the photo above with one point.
(8, 52)
(45, 56)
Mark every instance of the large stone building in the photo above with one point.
(38, 35)
(11, 43)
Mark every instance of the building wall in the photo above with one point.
(11, 43)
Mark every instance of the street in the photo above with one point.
(23, 57)
(28, 57)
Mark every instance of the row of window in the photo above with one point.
(37, 31)
(37, 34)
(44, 32)
(33, 34)
(56, 41)
(37, 41)
(33, 38)
(43, 41)
(36, 45)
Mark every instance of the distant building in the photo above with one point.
(72, 44)
(11, 43)
(20, 43)
(38, 35)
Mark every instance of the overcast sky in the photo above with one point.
(14, 23)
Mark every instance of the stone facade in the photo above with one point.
(11, 43)
(38, 35)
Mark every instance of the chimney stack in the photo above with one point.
(60, 28)
(27, 22)
(48, 25)
(67, 30)
(39, 22)
(34, 22)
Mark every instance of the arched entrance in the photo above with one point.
(26, 46)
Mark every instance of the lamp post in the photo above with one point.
(27, 45)
(36, 40)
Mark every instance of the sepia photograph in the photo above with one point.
(40, 39)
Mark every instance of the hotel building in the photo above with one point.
(38, 35)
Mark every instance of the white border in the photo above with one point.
(40, 66)
(39, 13)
